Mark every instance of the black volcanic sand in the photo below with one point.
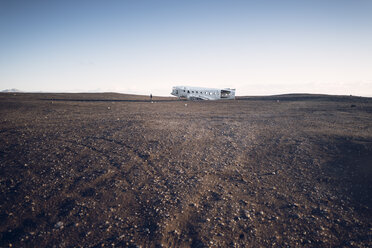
(98, 170)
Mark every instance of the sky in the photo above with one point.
(261, 47)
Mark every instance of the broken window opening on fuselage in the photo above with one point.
(225, 94)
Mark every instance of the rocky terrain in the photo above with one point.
(114, 170)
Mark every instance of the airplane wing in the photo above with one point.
(195, 98)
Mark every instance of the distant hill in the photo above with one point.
(11, 90)
(303, 97)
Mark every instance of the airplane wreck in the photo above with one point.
(200, 93)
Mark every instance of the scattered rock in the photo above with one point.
(58, 225)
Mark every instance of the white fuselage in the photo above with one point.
(200, 93)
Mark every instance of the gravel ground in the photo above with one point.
(104, 170)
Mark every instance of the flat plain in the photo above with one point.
(115, 170)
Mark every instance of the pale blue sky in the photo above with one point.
(258, 47)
